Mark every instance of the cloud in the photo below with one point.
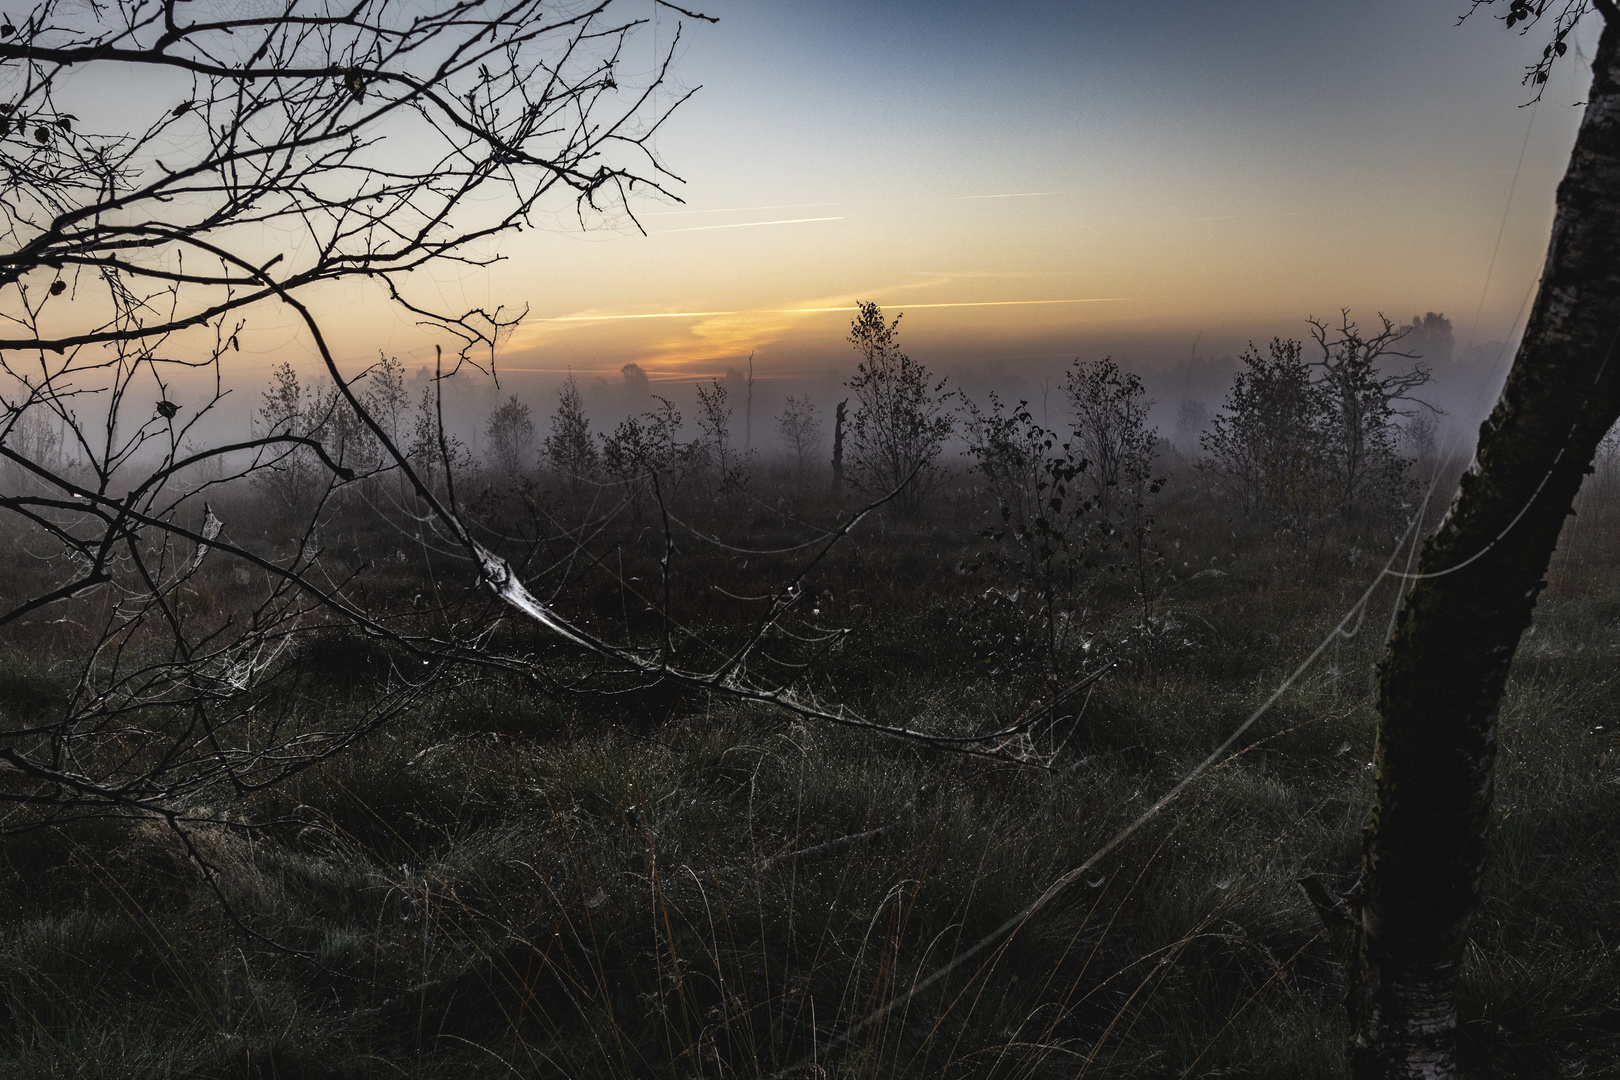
(671, 344)
(737, 332)
(1011, 195)
(741, 209)
(754, 224)
(644, 315)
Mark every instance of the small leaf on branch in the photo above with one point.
(182, 108)
(42, 135)
(58, 287)
(355, 83)
(167, 409)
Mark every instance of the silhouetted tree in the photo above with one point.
(1045, 504)
(1420, 442)
(714, 450)
(32, 430)
(569, 447)
(1442, 676)
(748, 407)
(1430, 338)
(231, 165)
(839, 417)
(641, 447)
(1363, 400)
(435, 452)
(289, 408)
(510, 432)
(635, 387)
(1268, 444)
(800, 430)
(900, 424)
(1110, 409)
(1192, 418)
(383, 395)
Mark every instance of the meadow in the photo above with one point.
(510, 877)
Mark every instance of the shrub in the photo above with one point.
(569, 447)
(1269, 443)
(900, 423)
(510, 432)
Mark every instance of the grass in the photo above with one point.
(497, 884)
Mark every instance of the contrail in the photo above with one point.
(1010, 195)
(653, 315)
(751, 224)
(741, 209)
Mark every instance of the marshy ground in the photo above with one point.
(502, 882)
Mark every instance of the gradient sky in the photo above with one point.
(1034, 181)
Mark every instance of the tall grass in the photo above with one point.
(498, 884)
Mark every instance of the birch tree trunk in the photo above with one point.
(1442, 675)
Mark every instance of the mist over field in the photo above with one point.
(1465, 382)
(809, 541)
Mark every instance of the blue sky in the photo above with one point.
(1032, 181)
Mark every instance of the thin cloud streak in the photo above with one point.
(1233, 217)
(815, 310)
(742, 209)
(965, 303)
(652, 315)
(1010, 195)
(952, 275)
(880, 202)
(751, 224)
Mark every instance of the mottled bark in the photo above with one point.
(1442, 676)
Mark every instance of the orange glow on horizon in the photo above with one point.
(900, 308)
(704, 337)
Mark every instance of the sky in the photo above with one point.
(1029, 182)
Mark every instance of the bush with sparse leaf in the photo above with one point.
(901, 421)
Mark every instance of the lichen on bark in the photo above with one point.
(1443, 672)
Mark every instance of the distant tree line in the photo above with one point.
(1302, 441)
(1311, 436)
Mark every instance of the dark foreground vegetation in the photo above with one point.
(519, 877)
(328, 751)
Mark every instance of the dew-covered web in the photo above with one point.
(735, 675)
(736, 672)
(1347, 627)
(1399, 566)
